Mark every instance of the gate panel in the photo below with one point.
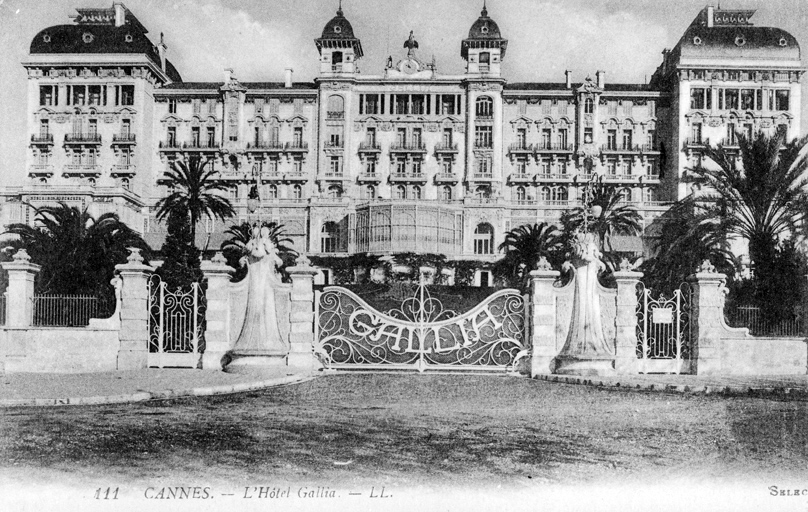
(175, 326)
(420, 335)
(663, 331)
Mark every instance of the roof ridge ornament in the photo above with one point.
(339, 10)
(484, 12)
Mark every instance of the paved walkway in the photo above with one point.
(25, 389)
(47, 389)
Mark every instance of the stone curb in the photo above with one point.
(628, 385)
(144, 396)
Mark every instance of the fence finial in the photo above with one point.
(625, 265)
(22, 256)
(302, 260)
(219, 259)
(707, 267)
(134, 256)
(543, 264)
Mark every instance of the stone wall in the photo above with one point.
(56, 350)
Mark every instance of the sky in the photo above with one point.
(260, 38)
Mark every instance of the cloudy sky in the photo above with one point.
(259, 38)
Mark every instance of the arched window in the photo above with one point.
(401, 192)
(650, 195)
(43, 181)
(272, 192)
(484, 239)
(336, 58)
(125, 183)
(334, 192)
(545, 194)
(336, 103)
(562, 194)
(416, 192)
(329, 237)
(446, 193)
(589, 106)
(482, 192)
(485, 106)
(91, 182)
(370, 192)
(626, 195)
(521, 195)
(297, 192)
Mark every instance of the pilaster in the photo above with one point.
(707, 319)
(542, 318)
(217, 312)
(134, 349)
(301, 315)
(20, 294)
(626, 362)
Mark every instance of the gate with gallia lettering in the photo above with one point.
(420, 335)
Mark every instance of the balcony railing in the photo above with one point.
(519, 177)
(521, 147)
(555, 202)
(407, 176)
(408, 146)
(81, 169)
(269, 145)
(333, 144)
(334, 175)
(446, 147)
(201, 145)
(335, 115)
(553, 146)
(621, 148)
(297, 146)
(123, 138)
(691, 142)
(622, 176)
(370, 176)
(170, 144)
(369, 147)
(82, 138)
(296, 176)
(482, 176)
(42, 138)
(553, 176)
(649, 148)
(41, 169)
(446, 177)
(484, 144)
(120, 169)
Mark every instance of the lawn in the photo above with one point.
(412, 431)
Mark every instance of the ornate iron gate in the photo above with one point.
(663, 331)
(420, 335)
(175, 325)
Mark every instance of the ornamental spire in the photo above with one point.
(484, 12)
(339, 11)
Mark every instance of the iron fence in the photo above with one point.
(751, 318)
(3, 309)
(65, 310)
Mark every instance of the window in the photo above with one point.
(297, 166)
(731, 99)
(401, 192)
(370, 166)
(626, 195)
(611, 139)
(297, 137)
(79, 96)
(544, 165)
(484, 166)
(370, 137)
(369, 192)
(627, 139)
(370, 104)
(482, 192)
(747, 99)
(401, 136)
(335, 165)
(401, 166)
(748, 131)
(92, 127)
(449, 104)
(95, 95)
(651, 169)
(126, 127)
(416, 167)
(127, 96)
(625, 167)
(124, 158)
(521, 167)
(274, 134)
(484, 239)
(698, 98)
(546, 137)
(447, 137)
(589, 106)
(545, 194)
(48, 95)
(125, 183)
(329, 237)
(416, 137)
(335, 137)
(336, 62)
(334, 192)
(588, 136)
(171, 138)
(781, 99)
(418, 104)
(416, 192)
(196, 137)
(562, 138)
(650, 195)
(272, 192)
(731, 137)
(561, 194)
(611, 168)
(562, 167)
(483, 136)
(446, 166)
(446, 193)
(336, 106)
(695, 133)
(297, 192)
(211, 137)
(484, 106)
(521, 194)
(44, 128)
(172, 106)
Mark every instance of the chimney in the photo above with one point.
(287, 82)
(568, 74)
(120, 14)
(228, 75)
(601, 79)
(710, 16)
(161, 49)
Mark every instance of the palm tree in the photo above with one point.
(608, 215)
(755, 194)
(77, 252)
(526, 245)
(235, 247)
(195, 194)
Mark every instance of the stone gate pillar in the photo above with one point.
(626, 361)
(542, 318)
(134, 349)
(301, 315)
(707, 319)
(20, 294)
(217, 312)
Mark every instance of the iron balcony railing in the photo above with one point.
(553, 146)
(408, 146)
(446, 147)
(123, 138)
(621, 148)
(42, 138)
(521, 147)
(83, 138)
(369, 146)
(297, 146)
(65, 310)
(170, 144)
(272, 145)
(201, 145)
(484, 144)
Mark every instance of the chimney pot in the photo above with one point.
(710, 16)
(120, 14)
(568, 75)
(288, 78)
(601, 79)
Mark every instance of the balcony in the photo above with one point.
(620, 148)
(446, 147)
(370, 147)
(622, 177)
(408, 177)
(370, 177)
(334, 176)
(297, 147)
(446, 177)
(170, 145)
(201, 145)
(333, 145)
(296, 176)
(335, 115)
(519, 177)
(553, 177)
(122, 170)
(40, 169)
(483, 144)
(482, 176)
(525, 202)
(520, 148)
(547, 202)
(42, 139)
(82, 138)
(81, 169)
(553, 147)
(650, 178)
(123, 138)
(408, 147)
(649, 149)
(265, 146)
